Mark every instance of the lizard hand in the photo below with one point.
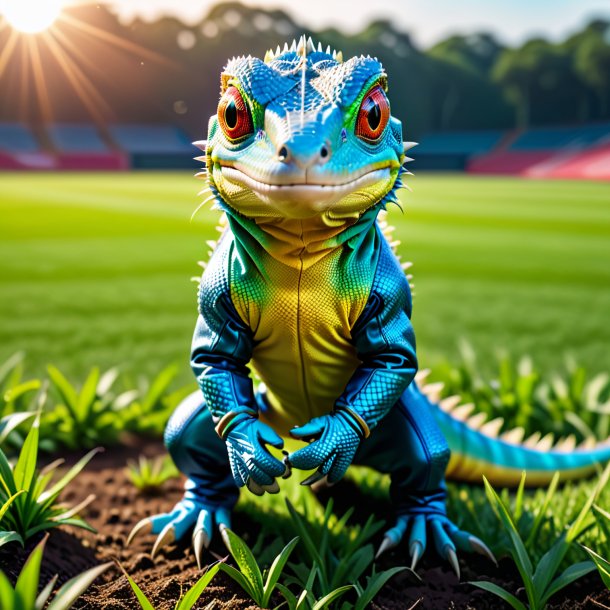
(251, 463)
(334, 442)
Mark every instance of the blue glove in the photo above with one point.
(335, 437)
(251, 463)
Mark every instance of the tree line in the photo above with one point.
(168, 71)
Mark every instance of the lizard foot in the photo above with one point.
(187, 515)
(447, 538)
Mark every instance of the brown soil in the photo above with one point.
(119, 507)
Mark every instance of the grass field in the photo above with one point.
(95, 268)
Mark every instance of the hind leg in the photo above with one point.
(409, 446)
(210, 491)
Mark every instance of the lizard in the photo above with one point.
(304, 290)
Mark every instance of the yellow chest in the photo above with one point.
(302, 318)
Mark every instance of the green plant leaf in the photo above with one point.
(6, 537)
(351, 567)
(310, 545)
(27, 582)
(194, 593)
(275, 571)
(245, 560)
(44, 595)
(158, 387)
(25, 468)
(75, 587)
(20, 389)
(7, 594)
(509, 598)
(519, 497)
(6, 475)
(240, 579)
(603, 565)
(9, 422)
(141, 597)
(331, 597)
(541, 511)
(568, 576)
(289, 596)
(88, 395)
(577, 527)
(549, 564)
(522, 560)
(374, 585)
(68, 476)
(65, 390)
(8, 503)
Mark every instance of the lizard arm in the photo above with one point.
(385, 343)
(222, 347)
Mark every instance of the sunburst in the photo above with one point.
(41, 29)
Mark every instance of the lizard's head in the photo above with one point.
(303, 133)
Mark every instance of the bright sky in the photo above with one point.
(427, 20)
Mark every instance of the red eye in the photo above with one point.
(373, 115)
(234, 115)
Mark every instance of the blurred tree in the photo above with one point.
(465, 96)
(592, 63)
(539, 78)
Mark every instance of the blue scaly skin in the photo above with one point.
(304, 289)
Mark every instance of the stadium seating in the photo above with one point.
(540, 153)
(154, 146)
(19, 149)
(18, 138)
(452, 150)
(72, 138)
(560, 137)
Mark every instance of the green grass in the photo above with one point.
(95, 268)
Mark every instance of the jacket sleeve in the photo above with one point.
(222, 347)
(385, 343)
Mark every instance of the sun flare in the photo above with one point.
(30, 16)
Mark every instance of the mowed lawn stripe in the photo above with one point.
(95, 268)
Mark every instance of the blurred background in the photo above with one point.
(508, 224)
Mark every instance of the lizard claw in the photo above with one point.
(143, 527)
(451, 557)
(273, 488)
(167, 536)
(386, 544)
(313, 478)
(254, 487)
(417, 550)
(201, 541)
(480, 547)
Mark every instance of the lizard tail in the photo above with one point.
(478, 448)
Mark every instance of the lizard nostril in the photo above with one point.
(282, 154)
(324, 152)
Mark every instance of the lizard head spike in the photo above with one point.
(320, 50)
(310, 46)
(328, 50)
(301, 47)
(286, 48)
(293, 46)
(278, 50)
(269, 56)
(339, 57)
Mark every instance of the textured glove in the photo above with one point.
(251, 464)
(335, 439)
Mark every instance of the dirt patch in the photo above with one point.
(118, 507)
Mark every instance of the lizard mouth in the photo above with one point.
(305, 198)
(370, 177)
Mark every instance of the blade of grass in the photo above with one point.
(75, 587)
(276, 569)
(195, 592)
(509, 598)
